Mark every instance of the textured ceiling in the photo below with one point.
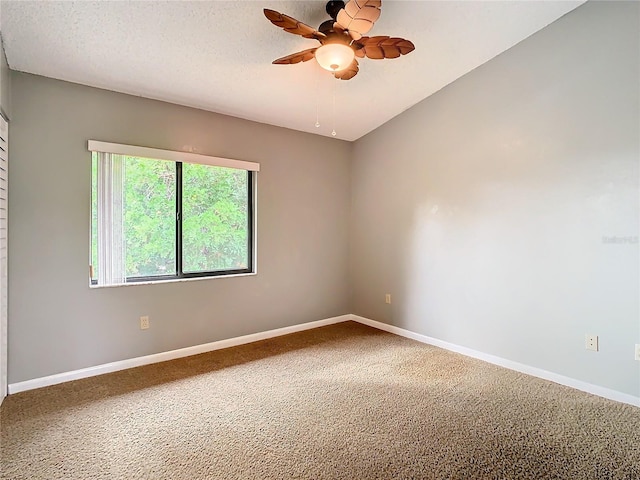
(216, 55)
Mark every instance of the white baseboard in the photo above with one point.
(518, 367)
(170, 355)
(254, 337)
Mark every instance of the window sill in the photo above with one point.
(176, 280)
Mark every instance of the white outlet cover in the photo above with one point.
(591, 342)
(637, 351)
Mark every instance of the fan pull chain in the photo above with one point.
(317, 101)
(334, 108)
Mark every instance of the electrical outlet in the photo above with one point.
(144, 322)
(591, 342)
(638, 351)
(387, 298)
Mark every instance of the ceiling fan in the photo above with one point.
(341, 38)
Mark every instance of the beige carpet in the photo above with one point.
(339, 402)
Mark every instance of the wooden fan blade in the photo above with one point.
(358, 16)
(303, 56)
(291, 25)
(349, 72)
(381, 47)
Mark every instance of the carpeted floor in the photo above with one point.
(339, 402)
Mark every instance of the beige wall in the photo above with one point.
(484, 209)
(58, 324)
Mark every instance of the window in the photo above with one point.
(163, 215)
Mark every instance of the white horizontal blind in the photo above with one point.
(4, 199)
(157, 154)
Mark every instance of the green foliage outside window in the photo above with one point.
(215, 218)
(214, 226)
(149, 217)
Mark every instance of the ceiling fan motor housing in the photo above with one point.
(326, 27)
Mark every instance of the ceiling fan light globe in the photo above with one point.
(334, 56)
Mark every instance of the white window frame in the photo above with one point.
(102, 148)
